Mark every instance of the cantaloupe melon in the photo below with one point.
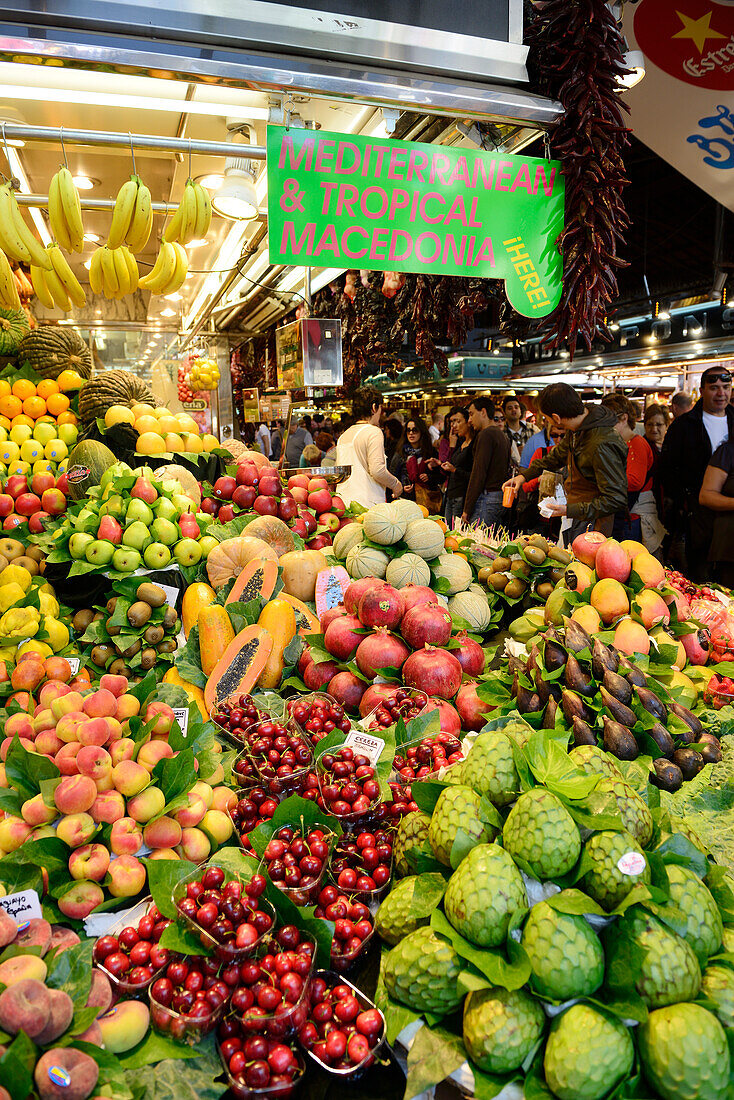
(456, 570)
(366, 561)
(407, 509)
(382, 524)
(424, 537)
(345, 539)
(408, 569)
(473, 608)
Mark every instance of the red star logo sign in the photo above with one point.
(692, 40)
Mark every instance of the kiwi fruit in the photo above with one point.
(501, 565)
(131, 650)
(154, 634)
(82, 619)
(520, 568)
(111, 605)
(34, 552)
(113, 631)
(148, 658)
(139, 613)
(544, 589)
(169, 645)
(499, 581)
(101, 654)
(170, 618)
(535, 555)
(151, 594)
(118, 668)
(97, 616)
(557, 574)
(515, 588)
(539, 541)
(484, 573)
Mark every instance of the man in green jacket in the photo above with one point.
(595, 456)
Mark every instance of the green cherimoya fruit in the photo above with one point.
(565, 954)
(483, 894)
(728, 941)
(684, 1053)
(704, 929)
(541, 831)
(635, 813)
(457, 810)
(422, 972)
(665, 968)
(518, 730)
(501, 1028)
(393, 919)
(587, 1054)
(617, 863)
(594, 761)
(490, 768)
(680, 825)
(717, 986)
(411, 834)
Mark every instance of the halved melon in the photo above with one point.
(331, 584)
(237, 670)
(306, 621)
(257, 579)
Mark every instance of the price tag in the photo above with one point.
(22, 907)
(631, 863)
(74, 663)
(366, 744)
(171, 593)
(182, 717)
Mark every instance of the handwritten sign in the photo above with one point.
(22, 907)
(181, 715)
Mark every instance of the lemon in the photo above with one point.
(15, 574)
(58, 634)
(32, 646)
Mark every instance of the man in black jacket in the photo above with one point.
(689, 443)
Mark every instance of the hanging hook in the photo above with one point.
(7, 157)
(132, 152)
(63, 147)
(547, 145)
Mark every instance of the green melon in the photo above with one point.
(407, 509)
(472, 607)
(346, 538)
(87, 463)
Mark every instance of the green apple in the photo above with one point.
(78, 544)
(126, 560)
(164, 531)
(139, 512)
(113, 506)
(32, 450)
(187, 552)
(204, 519)
(42, 432)
(183, 503)
(99, 552)
(136, 535)
(156, 556)
(165, 508)
(206, 544)
(67, 433)
(20, 432)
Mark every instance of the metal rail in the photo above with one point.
(109, 138)
(90, 204)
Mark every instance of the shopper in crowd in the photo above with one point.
(541, 439)
(262, 435)
(393, 430)
(516, 429)
(656, 425)
(639, 520)
(498, 418)
(717, 497)
(276, 439)
(298, 438)
(491, 461)
(412, 463)
(362, 446)
(447, 442)
(310, 456)
(528, 517)
(680, 403)
(459, 465)
(326, 444)
(436, 428)
(595, 457)
(689, 443)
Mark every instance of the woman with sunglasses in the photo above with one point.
(410, 465)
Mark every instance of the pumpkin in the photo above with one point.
(274, 532)
(13, 327)
(408, 569)
(300, 570)
(473, 608)
(85, 466)
(279, 619)
(195, 598)
(49, 351)
(256, 581)
(424, 537)
(229, 558)
(345, 539)
(215, 634)
(383, 524)
(112, 387)
(237, 670)
(456, 570)
(306, 621)
(365, 561)
(195, 694)
(187, 481)
(407, 509)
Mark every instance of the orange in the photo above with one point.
(167, 424)
(150, 443)
(4, 387)
(5, 423)
(46, 387)
(142, 410)
(174, 443)
(34, 407)
(450, 543)
(21, 418)
(67, 418)
(145, 424)
(23, 389)
(10, 405)
(57, 403)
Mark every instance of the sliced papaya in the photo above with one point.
(257, 580)
(237, 670)
(306, 621)
(331, 584)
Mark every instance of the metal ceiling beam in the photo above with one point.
(55, 135)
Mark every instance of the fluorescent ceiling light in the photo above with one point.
(197, 244)
(168, 312)
(175, 297)
(211, 181)
(91, 237)
(131, 102)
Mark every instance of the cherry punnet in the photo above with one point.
(272, 992)
(253, 807)
(188, 999)
(133, 956)
(402, 801)
(362, 863)
(348, 783)
(340, 1032)
(429, 755)
(405, 703)
(353, 925)
(257, 1062)
(237, 714)
(295, 861)
(231, 917)
(281, 756)
(318, 716)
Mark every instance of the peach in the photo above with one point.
(609, 598)
(124, 1025)
(8, 928)
(21, 967)
(194, 845)
(34, 811)
(127, 707)
(94, 731)
(66, 758)
(108, 807)
(93, 1035)
(25, 742)
(162, 833)
(25, 1006)
(146, 805)
(36, 933)
(89, 862)
(80, 1074)
(58, 668)
(14, 831)
(67, 727)
(75, 794)
(81, 900)
(62, 1012)
(3, 776)
(649, 570)
(152, 752)
(65, 704)
(126, 837)
(28, 675)
(100, 704)
(124, 749)
(223, 798)
(104, 783)
(127, 877)
(215, 777)
(204, 792)
(631, 637)
(19, 723)
(52, 690)
(41, 832)
(94, 761)
(115, 684)
(115, 730)
(130, 778)
(43, 720)
(190, 815)
(76, 829)
(62, 938)
(24, 700)
(651, 608)
(100, 995)
(163, 853)
(47, 743)
(217, 826)
(165, 721)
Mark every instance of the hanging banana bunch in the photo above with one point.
(16, 239)
(9, 297)
(193, 216)
(132, 217)
(65, 211)
(58, 287)
(169, 271)
(113, 272)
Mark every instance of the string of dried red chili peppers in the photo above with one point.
(576, 55)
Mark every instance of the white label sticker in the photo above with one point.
(171, 593)
(366, 744)
(182, 717)
(631, 863)
(74, 663)
(322, 377)
(22, 907)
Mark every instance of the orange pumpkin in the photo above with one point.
(229, 558)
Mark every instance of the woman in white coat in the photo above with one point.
(363, 448)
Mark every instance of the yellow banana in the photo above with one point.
(123, 277)
(123, 212)
(173, 229)
(39, 285)
(9, 297)
(72, 209)
(142, 220)
(161, 275)
(109, 273)
(10, 241)
(57, 290)
(188, 225)
(95, 272)
(182, 269)
(203, 212)
(132, 269)
(56, 215)
(67, 276)
(39, 255)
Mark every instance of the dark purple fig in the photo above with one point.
(575, 637)
(693, 723)
(619, 741)
(577, 679)
(583, 734)
(617, 686)
(654, 706)
(618, 711)
(689, 761)
(604, 658)
(666, 775)
(662, 739)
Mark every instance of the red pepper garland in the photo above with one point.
(576, 55)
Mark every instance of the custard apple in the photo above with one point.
(717, 985)
(606, 881)
(635, 813)
(457, 811)
(668, 971)
(541, 831)
(684, 1053)
(412, 832)
(483, 894)
(422, 971)
(594, 761)
(490, 769)
(587, 1054)
(393, 920)
(564, 952)
(704, 926)
(501, 1028)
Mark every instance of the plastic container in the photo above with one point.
(718, 693)
(185, 1029)
(229, 735)
(279, 1024)
(226, 952)
(269, 1092)
(367, 896)
(350, 1073)
(323, 778)
(293, 708)
(415, 695)
(304, 895)
(121, 987)
(401, 754)
(240, 832)
(275, 784)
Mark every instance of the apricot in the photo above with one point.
(67, 726)
(152, 752)
(116, 684)
(124, 749)
(100, 704)
(62, 1012)
(204, 792)
(609, 598)
(22, 967)
(190, 815)
(94, 761)
(13, 832)
(19, 723)
(93, 1034)
(124, 1025)
(127, 707)
(34, 811)
(52, 689)
(25, 1006)
(163, 853)
(194, 845)
(79, 1074)
(94, 731)
(37, 933)
(65, 704)
(47, 743)
(100, 995)
(27, 676)
(89, 862)
(223, 798)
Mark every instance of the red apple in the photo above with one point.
(210, 506)
(309, 519)
(299, 494)
(37, 522)
(62, 483)
(345, 522)
(224, 487)
(266, 506)
(319, 500)
(12, 521)
(318, 542)
(27, 503)
(269, 485)
(338, 506)
(42, 481)
(298, 481)
(329, 521)
(316, 483)
(299, 527)
(53, 501)
(246, 474)
(225, 513)
(16, 486)
(287, 509)
(244, 496)
(7, 505)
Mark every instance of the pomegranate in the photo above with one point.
(356, 591)
(317, 676)
(331, 614)
(380, 650)
(347, 689)
(414, 595)
(435, 671)
(340, 637)
(470, 655)
(472, 710)
(375, 694)
(448, 715)
(381, 605)
(426, 624)
(304, 660)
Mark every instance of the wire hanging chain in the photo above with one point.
(10, 178)
(132, 152)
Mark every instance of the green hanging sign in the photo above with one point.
(337, 200)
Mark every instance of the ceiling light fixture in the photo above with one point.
(88, 264)
(175, 297)
(197, 244)
(86, 183)
(168, 312)
(91, 237)
(236, 199)
(634, 60)
(212, 180)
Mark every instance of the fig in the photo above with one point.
(654, 706)
(689, 761)
(151, 594)
(662, 739)
(617, 686)
(583, 734)
(578, 680)
(604, 658)
(527, 701)
(666, 775)
(139, 613)
(573, 706)
(710, 753)
(619, 740)
(632, 673)
(575, 637)
(515, 665)
(554, 655)
(549, 715)
(618, 711)
(693, 723)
